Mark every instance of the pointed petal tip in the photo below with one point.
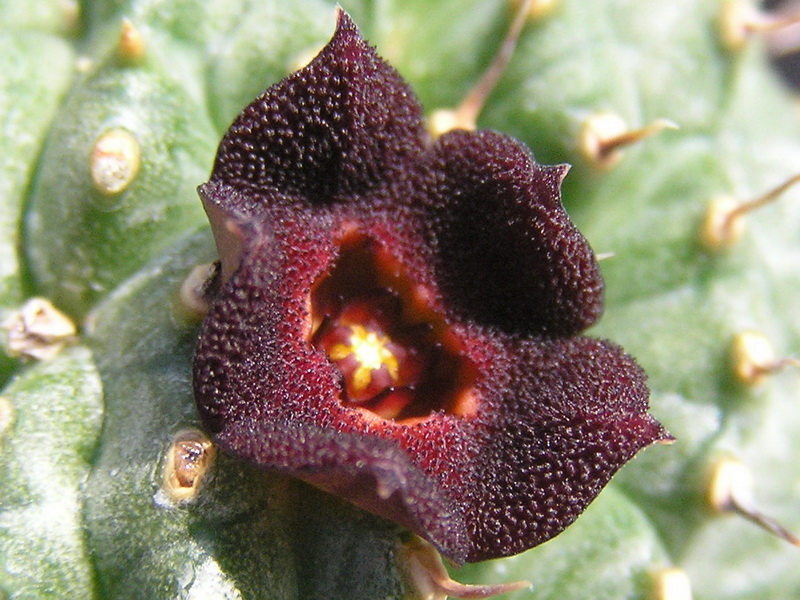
(344, 23)
(661, 434)
(656, 433)
(559, 171)
(666, 439)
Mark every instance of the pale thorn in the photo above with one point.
(604, 135)
(115, 160)
(72, 13)
(740, 19)
(601, 256)
(754, 358)
(38, 330)
(539, 9)
(194, 291)
(131, 46)
(723, 225)
(443, 120)
(734, 17)
(764, 199)
(430, 580)
(671, 584)
(465, 116)
(785, 40)
(719, 231)
(731, 489)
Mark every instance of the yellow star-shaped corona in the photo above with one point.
(371, 353)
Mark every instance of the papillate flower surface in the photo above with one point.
(397, 320)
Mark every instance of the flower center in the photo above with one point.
(371, 353)
(396, 356)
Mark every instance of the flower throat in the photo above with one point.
(397, 356)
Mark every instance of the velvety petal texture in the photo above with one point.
(338, 127)
(397, 318)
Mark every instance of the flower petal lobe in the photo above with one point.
(335, 128)
(509, 253)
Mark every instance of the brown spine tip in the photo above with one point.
(739, 20)
(724, 223)
(731, 489)
(604, 135)
(754, 358)
(428, 578)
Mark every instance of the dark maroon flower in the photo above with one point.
(397, 318)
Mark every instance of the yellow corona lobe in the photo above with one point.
(370, 352)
